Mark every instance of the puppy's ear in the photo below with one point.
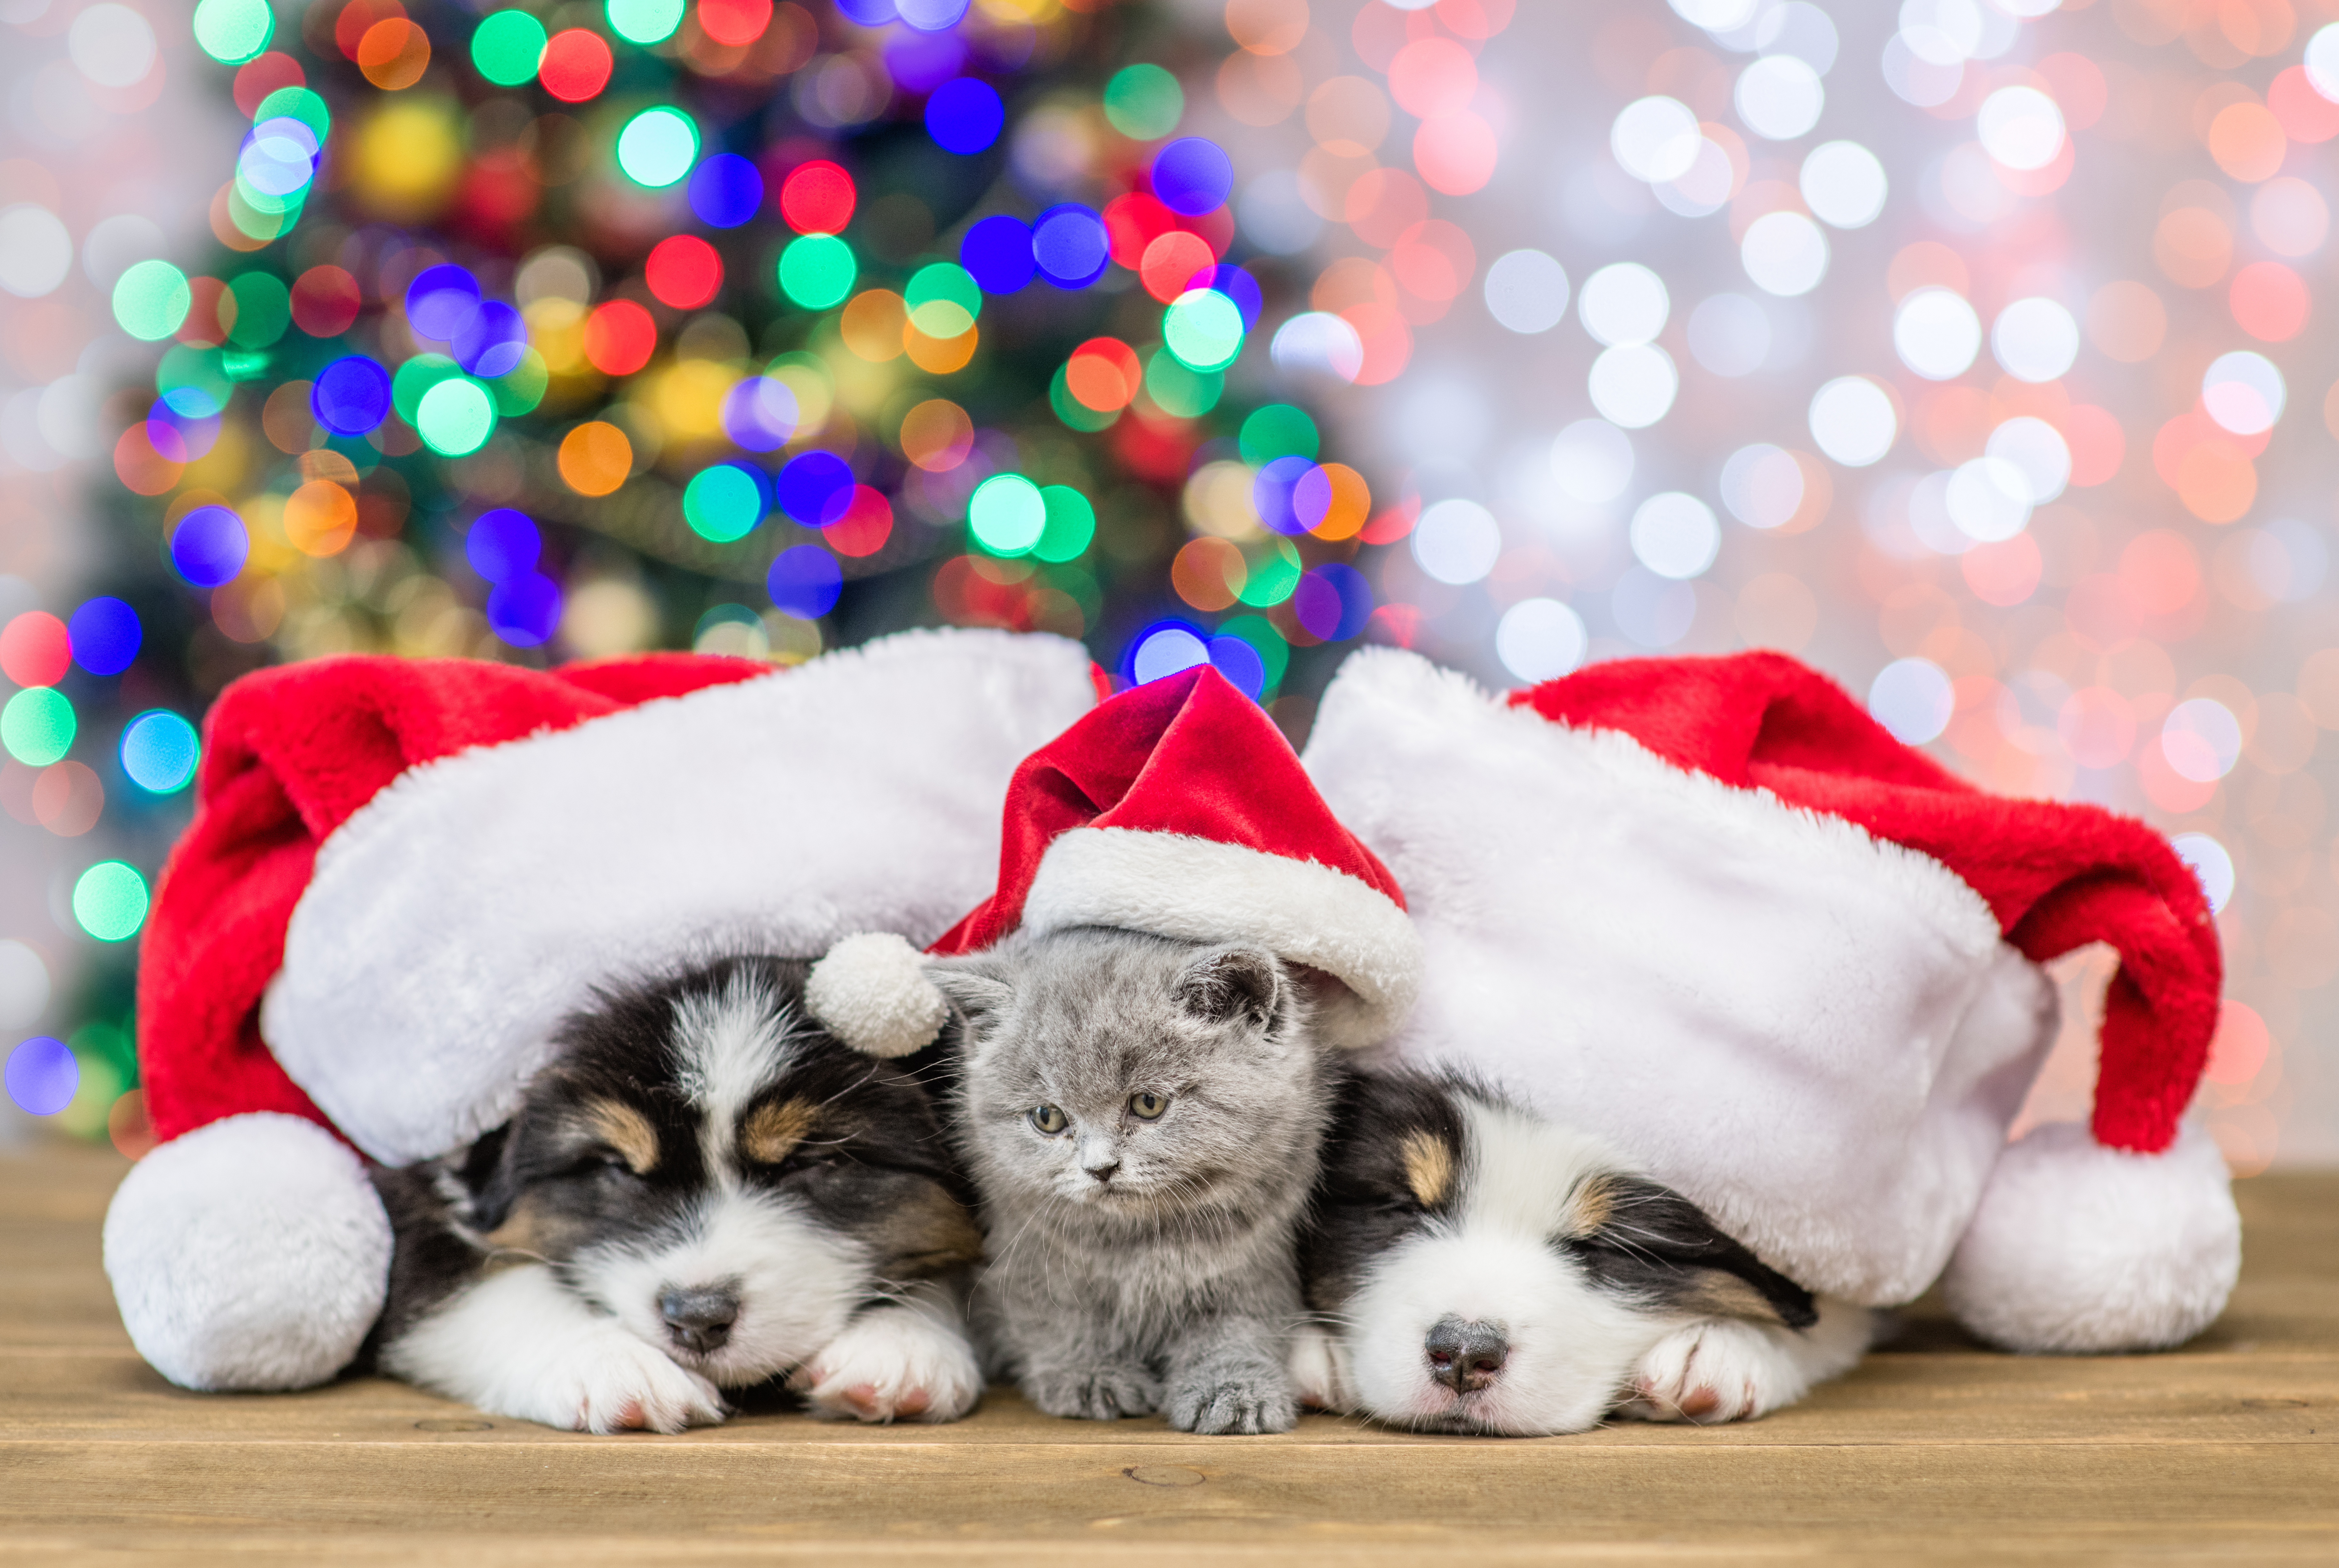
(1646, 1240)
(1233, 985)
(489, 1175)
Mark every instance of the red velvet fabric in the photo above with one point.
(288, 754)
(1187, 754)
(2058, 876)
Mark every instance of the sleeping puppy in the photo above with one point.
(1473, 1268)
(703, 1190)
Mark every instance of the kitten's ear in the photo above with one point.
(1645, 1239)
(978, 984)
(1225, 985)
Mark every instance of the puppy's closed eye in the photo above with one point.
(627, 1133)
(777, 1131)
(1645, 1240)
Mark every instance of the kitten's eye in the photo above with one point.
(1047, 1118)
(1148, 1106)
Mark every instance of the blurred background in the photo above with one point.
(1970, 351)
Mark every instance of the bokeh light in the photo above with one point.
(159, 751)
(109, 901)
(42, 1073)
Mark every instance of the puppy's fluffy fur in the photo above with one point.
(705, 1190)
(1473, 1268)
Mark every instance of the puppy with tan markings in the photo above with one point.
(705, 1190)
(1473, 1268)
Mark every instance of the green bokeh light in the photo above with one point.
(723, 503)
(645, 21)
(416, 377)
(1274, 574)
(195, 380)
(1259, 632)
(943, 300)
(263, 309)
(1007, 515)
(37, 726)
(507, 47)
(816, 270)
(297, 103)
(1204, 329)
(657, 147)
(1070, 525)
(1188, 394)
(1277, 430)
(1143, 102)
(1072, 411)
(456, 416)
(110, 901)
(521, 388)
(233, 31)
(151, 299)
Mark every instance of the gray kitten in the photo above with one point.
(1141, 1117)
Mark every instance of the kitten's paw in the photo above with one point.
(1094, 1393)
(619, 1384)
(1234, 1405)
(892, 1363)
(1319, 1368)
(1717, 1370)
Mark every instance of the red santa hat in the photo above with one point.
(402, 873)
(1823, 948)
(1178, 808)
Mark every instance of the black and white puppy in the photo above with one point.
(1472, 1267)
(703, 1190)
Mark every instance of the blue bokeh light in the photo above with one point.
(441, 301)
(1069, 245)
(502, 544)
(1239, 662)
(814, 488)
(726, 191)
(525, 610)
(159, 751)
(997, 253)
(804, 581)
(965, 116)
(351, 394)
(42, 1076)
(209, 545)
(1193, 175)
(494, 343)
(105, 635)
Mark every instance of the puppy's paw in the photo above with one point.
(892, 1363)
(621, 1384)
(1246, 1406)
(1717, 1370)
(1320, 1369)
(1094, 1392)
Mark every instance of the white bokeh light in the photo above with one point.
(24, 985)
(1763, 486)
(1318, 341)
(2038, 452)
(1913, 698)
(2210, 865)
(1675, 535)
(1800, 29)
(1656, 139)
(1989, 500)
(1845, 183)
(1540, 640)
(113, 46)
(2322, 61)
(1852, 421)
(1785, 253)
(1457, 541)
(1937, 333)
(1167, 652)
(1652, 611)
(1634, 384)
(1526, 292)
(1704, 188)
(2244, 392)
(1592, 461)
(2290, 216)
(1623, 304)
(1716, 16)
(2201, 739)
(1779, 97)
(36, 252)
(2035, 340)
(1730, 335)
(2020, 127)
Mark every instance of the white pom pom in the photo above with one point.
(2078, 1248)
(249, 1253)
(873, 993)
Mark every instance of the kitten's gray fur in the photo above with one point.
(1169, 1284)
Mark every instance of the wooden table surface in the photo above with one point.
(1933, 1451)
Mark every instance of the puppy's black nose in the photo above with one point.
(700, 1319)
(1465, 1356)
(1102, 1173)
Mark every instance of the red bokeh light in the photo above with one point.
(576, 65)
(2306, 115)
(866, 525)
(35, 649)
(1132, 222)
(736, 23)
(258, 78)
(1102, 374)
(2005, 573)
(1433, 76)
(206, 323)
(817, 198)
(1170, 263)
(2270, 301)
(325, 301)
(1456, 153)
(684, 271)
(619, 337)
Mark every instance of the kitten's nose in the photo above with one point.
(1465, 1356)
(700, 1320)
(1102, 1173)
